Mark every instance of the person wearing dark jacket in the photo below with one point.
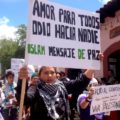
(49, 99)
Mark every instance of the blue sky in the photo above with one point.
(15, 12)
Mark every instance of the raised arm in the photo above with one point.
(30, 91)
(89, 73)
(82, 82)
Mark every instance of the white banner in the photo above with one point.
(105, 99)
(17, 63)
(61, 36)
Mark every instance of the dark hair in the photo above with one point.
(43, 67)
(9, 73)
(62, 73)
(58, 73)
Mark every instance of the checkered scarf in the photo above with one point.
(55, 99)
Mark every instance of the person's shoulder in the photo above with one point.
(64, 79)
(81, 96)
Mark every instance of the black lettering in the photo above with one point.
(62, 52)
(89, 21)
(34, 27)
(106, 106)
(97, 54)
(41, 28)
(89, 54)
(81, 19)
(93, 22)
(51, 51)
(60, 14)
(65, 52)
(47, 11)
(65, 32)
(73, 54)
(97, 23)
(86, 21)
(93, 54)
(67, 16)
(87, 35)
(36, 8)
(43, 10)
(73, 18)
(100, 91)
(96, 108)
(62, 32)
(111, 89)
(69, 53)
(95, 38)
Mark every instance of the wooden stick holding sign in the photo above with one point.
(23, 75)
(22, 98)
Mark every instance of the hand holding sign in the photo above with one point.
(101, 56)
(23, 73)
(91, 92)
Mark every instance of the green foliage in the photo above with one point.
(21, 37)
(12, 48)
(21, 34)
(8, 49)
(20, 53)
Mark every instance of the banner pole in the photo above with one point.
(22, 98)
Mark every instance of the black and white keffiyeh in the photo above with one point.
(55, 99)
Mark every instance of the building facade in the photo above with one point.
(110, 38)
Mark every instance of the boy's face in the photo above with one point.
(10, 79)
(34, 80)
(48, 75)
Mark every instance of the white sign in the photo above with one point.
(17, 63)
(105, 99)
(61, 36)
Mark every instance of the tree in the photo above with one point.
(7, 51)
(21, 37)
(12, 48)
(21, 34)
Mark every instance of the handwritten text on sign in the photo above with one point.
(67, 37)
(105, 99)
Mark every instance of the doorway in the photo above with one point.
(114, 64)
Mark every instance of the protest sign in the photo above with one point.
(16, 64)
(61, 36)
(105, 99)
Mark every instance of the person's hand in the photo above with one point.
(89, 73)
(23, 73)
(10, 96)
(101, 56)
(91, 92)
(14, 102)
